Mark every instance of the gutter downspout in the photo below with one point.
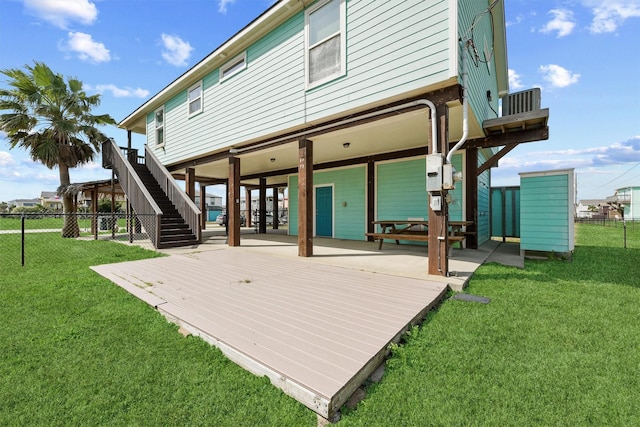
(465, 109)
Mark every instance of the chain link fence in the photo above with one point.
(25, 235)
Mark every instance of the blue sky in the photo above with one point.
(583, 54)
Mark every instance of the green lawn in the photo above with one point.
(559, 344)
(77, 350)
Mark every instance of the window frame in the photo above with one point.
(231, 64)
(343, 44)
(159, 127)
(201, 98)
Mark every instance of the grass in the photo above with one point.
(77, 350)
(558, 345)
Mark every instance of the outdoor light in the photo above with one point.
(273, 159)
(346, 144)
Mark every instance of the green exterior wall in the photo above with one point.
(546, 206)
(483, 227)
(481, 74)
(392, 48)
(349, 201)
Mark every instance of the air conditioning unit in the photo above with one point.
(521, 102)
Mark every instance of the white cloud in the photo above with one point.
(558, 76)
(514, 80)
(562, 23)
(222, 5)
(176, 51)
(608, 15)
(86, 48)
(6, 159)
(125, 92)
(61, 12)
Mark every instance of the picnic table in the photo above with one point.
(416, 230)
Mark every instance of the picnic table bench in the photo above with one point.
(416, 230)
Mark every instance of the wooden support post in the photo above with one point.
(371, 198)
(203, 206)
(471, 198)
(305, 198)
(438, 220)
(262, 206)
(128, 140)
(275, 211)
(190, 183)
(248, 214)
(233, 202)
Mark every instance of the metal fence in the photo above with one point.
(22, 235)
(609, 222)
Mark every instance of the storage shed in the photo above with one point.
(546, 212)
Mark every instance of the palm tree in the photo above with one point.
(52, 119)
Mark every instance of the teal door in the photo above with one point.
(324, 211)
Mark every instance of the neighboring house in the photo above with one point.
(341, 101)
(51, 200)
(627, 200)
(24, 203)
(210, 201)
(590, 208)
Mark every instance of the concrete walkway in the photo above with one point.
(398, 260)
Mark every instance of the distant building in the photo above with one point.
(627, 199)
(51, 200)
(24, 203)
(212, 202)
(593, 208)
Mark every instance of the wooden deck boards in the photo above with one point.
(316, 330)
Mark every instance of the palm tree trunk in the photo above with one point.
(70, 228)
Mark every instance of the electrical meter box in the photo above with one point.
(434, 172)
(447, 177)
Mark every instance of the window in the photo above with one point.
(233, 66)
(195, 99)
(325, 42)
(159, 121)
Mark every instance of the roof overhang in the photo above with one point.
(259, 27)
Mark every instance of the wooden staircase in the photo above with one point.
(174, 231)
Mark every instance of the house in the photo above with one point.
(627, 201)
(51, 200)
(364, 110)
(24, 203)
(592, 208)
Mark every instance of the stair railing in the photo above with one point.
(185, 206)
(140, 199)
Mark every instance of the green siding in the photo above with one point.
(349, 201)
(545, 214)
(392, 47)
(483, 210)
(481, 76)
(266, 97)
(401, 190)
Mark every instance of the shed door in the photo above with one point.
(324, 211)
